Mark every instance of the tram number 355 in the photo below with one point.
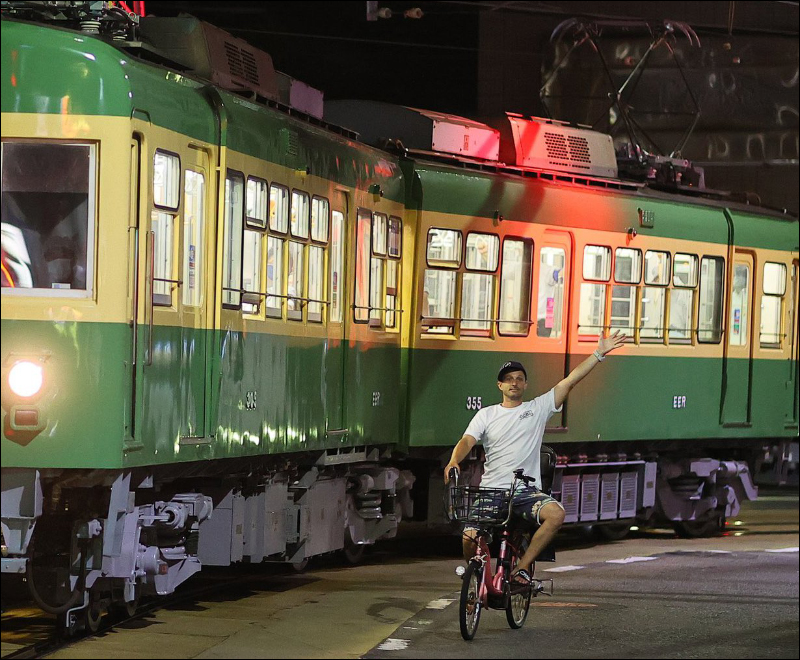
(474, 403)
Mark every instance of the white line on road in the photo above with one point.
(562, 569)
(785, 550)
(440, 603)
(629, 560)
(394, 645)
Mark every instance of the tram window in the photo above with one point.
(772, 305)
(709, 322)
(295, 280)
(656, 268)
(550, 296)
(596, 263)
(653, 306)
(275, 260)
(363, 244)
(299, 214)
(628, 266)
(320, 212)
(592, 309)
(336, 283)
(379, 237)
(483, 251)
(623, 307)
(193, 241)
(444, 248)
(393, 271)
(256, 203)
(439, 301)
(740, 305)
(395, 237)
(685, 270)
(48, 219)
(278, 209)
(232, 241)
(251, 271)
(316, 258)
(166, 180)
(163, 228)
(477, 301)
(654, 296)
(515, 287)
(391, 293)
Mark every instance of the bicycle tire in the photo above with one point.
(518, 603)
(469, 608)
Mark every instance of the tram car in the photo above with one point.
(236, 330)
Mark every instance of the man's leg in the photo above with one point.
(551, 517)
(469, 544)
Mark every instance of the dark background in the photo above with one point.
(480, 59)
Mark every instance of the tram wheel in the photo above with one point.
(695, 529)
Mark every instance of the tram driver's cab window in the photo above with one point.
(48, 193)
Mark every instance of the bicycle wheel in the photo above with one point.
(518, 603)
(469, 609)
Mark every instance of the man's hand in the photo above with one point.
(610, 343)
(450, 466)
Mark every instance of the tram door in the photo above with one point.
(172, 299)
(737, 388)
(554, 256)
(336, 423)
(794, 318)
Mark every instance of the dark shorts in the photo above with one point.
(527, 507)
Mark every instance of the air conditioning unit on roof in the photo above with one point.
(546, 144)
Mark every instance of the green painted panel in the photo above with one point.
(736, 391)
(84, 400)
(445, 189)
(623, 399)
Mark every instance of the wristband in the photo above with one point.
(599, 357)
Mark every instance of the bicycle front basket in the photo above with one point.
(485, 506)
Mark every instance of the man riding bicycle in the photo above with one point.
(511, 433)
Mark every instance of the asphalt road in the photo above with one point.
(651, 595)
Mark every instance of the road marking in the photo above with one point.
(440, 603)
(563, 569)
(629, 560)
(719, 552)
(394, 645)
(785, 550)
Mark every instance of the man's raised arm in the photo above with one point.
(604, 346)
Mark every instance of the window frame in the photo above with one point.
(697, 271)
(669, 270)
(781, 298)
(636, 282)
(285, 189)
(465, 245)
(228, 305)
(164, 207)
(326, 240)
(92, 211)
(250, 221)
(444, 266)
(720, 330)
(610, 264)
(529, 323)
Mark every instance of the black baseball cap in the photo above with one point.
(508, 367)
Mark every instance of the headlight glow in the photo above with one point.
(25, 379)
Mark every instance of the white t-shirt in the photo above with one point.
(512, 438)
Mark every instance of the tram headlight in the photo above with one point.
(25, 378)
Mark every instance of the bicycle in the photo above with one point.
(488, 509)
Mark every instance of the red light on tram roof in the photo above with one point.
(13, 80)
